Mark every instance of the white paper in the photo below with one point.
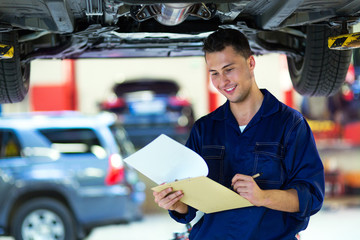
(165, 160)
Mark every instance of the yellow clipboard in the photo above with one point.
(206, 195)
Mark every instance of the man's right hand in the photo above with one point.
(170, 200)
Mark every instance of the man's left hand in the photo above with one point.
(281, 200)
(246, 187)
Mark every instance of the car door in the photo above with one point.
(86, 159)
(81, 153)
(10, 158)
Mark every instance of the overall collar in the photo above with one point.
(269, 106)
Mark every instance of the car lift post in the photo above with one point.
(6, 51)
(345, 41)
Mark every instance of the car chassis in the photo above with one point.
(76, 29)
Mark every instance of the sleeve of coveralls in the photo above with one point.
(305, 169)
(184, 218)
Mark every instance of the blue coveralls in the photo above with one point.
(278, 143)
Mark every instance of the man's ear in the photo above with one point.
(251, 60)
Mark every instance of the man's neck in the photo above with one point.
(244, 111)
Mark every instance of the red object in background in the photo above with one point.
(286, 85)
(113, 104)
(288, 98)
(116, 172)
(350, 75)
(56, 97)
(70, 81)
(325, 130)
(212, 94)
(178, 101)
(50, 98)
(213, 102)
(351, 133)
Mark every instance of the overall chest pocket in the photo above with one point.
(268, 162)
(214, 157)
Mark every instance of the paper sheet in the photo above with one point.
(165, 160)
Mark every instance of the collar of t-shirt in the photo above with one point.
(242, 128)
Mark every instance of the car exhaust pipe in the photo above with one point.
(171, 14)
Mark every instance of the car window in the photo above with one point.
(125, 145)
(74, 141)
(9, 145)
(156, 86)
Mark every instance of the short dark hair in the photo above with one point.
(218, 40)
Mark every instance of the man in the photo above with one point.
(251, 133)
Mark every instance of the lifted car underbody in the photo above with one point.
(140, 28)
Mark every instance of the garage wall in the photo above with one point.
(95, 78)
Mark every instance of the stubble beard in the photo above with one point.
(241, 97)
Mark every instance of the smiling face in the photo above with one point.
(231, 73)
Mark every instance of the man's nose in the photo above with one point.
(223, 79)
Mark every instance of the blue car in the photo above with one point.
(62, 174)
(148, 107)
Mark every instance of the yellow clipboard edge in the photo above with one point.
(206, 195)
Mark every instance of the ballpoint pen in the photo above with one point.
(256, 175)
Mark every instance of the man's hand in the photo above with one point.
(281, 200)
(247, 188)
(170, 200)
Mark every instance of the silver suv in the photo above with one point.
(62, 174)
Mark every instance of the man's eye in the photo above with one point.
(228, 70)
(214, 74)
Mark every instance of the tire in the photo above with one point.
(14, 75)
(43, 218)
(321, 72)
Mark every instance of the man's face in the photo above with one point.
(231, 73)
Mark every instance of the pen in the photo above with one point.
(256, 175)
(253, 176)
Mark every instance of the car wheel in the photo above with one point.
(14, 75)
(43, 218)
(321, 72)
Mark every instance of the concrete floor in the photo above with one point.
(329, 224)
(334, 224)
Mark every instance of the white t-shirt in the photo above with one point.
(242, 128)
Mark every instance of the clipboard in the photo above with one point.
(164, 160)
(206, 195)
